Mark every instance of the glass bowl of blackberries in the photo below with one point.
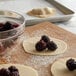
(11, 27)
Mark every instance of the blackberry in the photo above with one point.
(45, 38)
(12, 69)
(74, 64)
(15, 25)
(40, 46)
(2, 49)
(7, 26)
(14, 73)
(1, 25)
(4, 72)
(71, 64)
(51, 46)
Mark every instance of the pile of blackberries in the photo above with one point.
(7, 26)
(45, 43)
(11, 71)
(71, 64)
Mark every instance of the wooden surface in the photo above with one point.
(56, 32)
(42, 64)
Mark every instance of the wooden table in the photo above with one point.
(42, 64)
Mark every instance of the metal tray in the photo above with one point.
(63, 14)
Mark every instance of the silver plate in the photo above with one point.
(63, 14)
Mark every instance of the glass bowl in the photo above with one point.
(9, 36)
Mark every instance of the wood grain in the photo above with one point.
(57, 32)
(16, 53)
